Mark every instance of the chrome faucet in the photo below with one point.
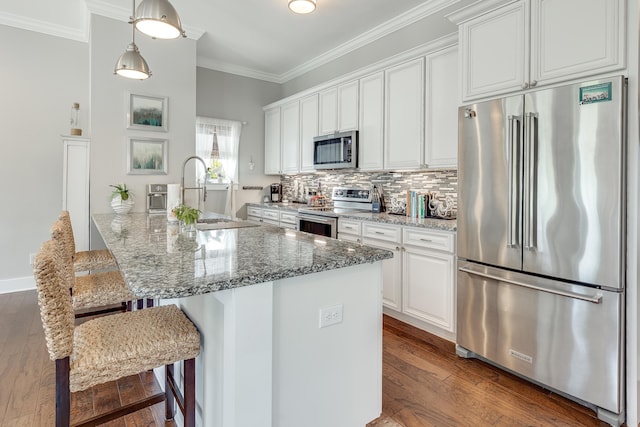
(204, 181)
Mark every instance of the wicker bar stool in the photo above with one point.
(112, 347)
(97, 259)
(93, 294)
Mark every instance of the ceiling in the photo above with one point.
(256, 38)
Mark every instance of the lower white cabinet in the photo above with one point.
(419, 281)
(288, 220)
(350, 230)
(75, 188)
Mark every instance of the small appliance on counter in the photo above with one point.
(275, 192)
(157, 198)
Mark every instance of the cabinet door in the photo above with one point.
(441, 108)
(308, 130)
(272, 141)
(574, 38)
(291, 137)
(494, 47)
(348, 106)
(404, 115)
(75, 189)
(370, 135)
(391, 273)
(328, 116)
(428, 287)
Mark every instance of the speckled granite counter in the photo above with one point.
(437, 224)
(160, 262)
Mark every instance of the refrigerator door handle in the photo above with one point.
(513, 164)
(530, 145)
(596, 299)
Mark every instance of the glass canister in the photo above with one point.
(74, 119)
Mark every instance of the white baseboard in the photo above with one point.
(16, 285)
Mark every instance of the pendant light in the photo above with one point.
(302, 6)
(131, 64)
(158, 19)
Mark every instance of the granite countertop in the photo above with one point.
(431, 223)
(159, 261)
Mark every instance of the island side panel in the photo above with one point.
(329, 376)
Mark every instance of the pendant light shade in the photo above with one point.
(302, 6)
(132, 65)
(158, 19)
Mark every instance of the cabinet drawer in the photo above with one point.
(386, 233)
(253, 211)
(348, 226)
(288, 218)
(428, 239)
(272, 215)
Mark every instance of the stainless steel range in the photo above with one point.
(324, 220)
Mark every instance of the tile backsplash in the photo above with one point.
(393, 185)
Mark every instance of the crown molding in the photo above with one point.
(119, 13)
(475, 9)
(407, 18)
(72, 33)
(237, 69)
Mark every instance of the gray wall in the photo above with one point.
(232, 97)
(41, 77)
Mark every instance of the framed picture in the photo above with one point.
(147, 156)
(147, 112)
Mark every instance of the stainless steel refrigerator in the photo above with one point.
(541, 239)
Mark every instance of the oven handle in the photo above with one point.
(316, 218)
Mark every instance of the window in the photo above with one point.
(219, 138)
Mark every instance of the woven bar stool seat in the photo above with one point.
(96, 259)
(112, 347)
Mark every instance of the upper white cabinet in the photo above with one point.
(371, 133)
(527, 43)
(339, 108)
(404, 115)
(441, 109)
(308, 130)
(290, 137)
(272, 161)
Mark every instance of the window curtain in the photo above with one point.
(220, 138)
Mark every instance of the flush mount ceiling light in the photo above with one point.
(131, 64)
(302, 6)
(158, 19)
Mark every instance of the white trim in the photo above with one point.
(44, 27)
(478, 8)
(18, 284)
(102, 8)
(226, 67)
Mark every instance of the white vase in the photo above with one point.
(120, 206)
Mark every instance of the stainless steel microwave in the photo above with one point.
(337, 151)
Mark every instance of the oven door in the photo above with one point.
(316, 224)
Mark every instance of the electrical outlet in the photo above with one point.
(32, 258)
(330, 315)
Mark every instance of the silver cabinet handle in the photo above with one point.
(380, 232)
(596, 299)
(524, 85)
(348, 228)
(533, 83)
(397, 248)
(426, 240)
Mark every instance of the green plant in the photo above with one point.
(186, 214)
(120, 190)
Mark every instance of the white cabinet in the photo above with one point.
(254, 214)
(389, 238)
(350, 230)
(75, 188)
(308, 130)
(288, 220)
(441, 109)
(371, 131)
(338, 109)
(528, 43)
(272, 161)
(290, 129)
(428, 277)
(404, 115)
(271, 216)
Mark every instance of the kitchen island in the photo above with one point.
(291, 323)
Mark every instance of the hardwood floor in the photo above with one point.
(424, 383)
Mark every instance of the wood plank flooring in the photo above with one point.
(424, 383)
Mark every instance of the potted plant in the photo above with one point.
(121, 199)
(186, 215)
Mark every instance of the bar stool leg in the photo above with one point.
(190, 393)
(63, 395)
(149, 302)
(168, 394)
